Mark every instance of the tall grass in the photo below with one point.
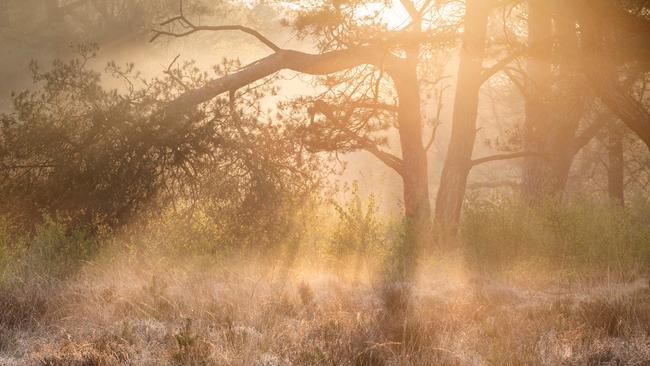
(580, 235)
(174, 293)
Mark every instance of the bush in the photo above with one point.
(359, 233)
(53, 250)
(580, 233)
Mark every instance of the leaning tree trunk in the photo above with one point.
(458, 161)
(600, 67)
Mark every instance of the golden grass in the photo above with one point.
(156, 311)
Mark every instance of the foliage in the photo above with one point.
(54, 250)
(103, 157)
(358, 234)
(578, 234)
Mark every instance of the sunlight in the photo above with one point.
(394, 15)
(324, 182)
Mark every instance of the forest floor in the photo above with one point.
(161, 312)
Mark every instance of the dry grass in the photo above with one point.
(159, 312)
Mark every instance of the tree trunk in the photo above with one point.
(567, 103)
(600, 67)
(417, 208)
(554, 106)
(537, 98)
(620, 102)
(458, 161)
(615, 171)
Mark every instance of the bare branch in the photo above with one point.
(376, 105)
(507, 156)
(433, 136)
(493, 184)
(175, 78)
(437, 121)
(411, 9)
(499, 66)
(191, 28)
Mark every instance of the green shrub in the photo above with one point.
(358, 233)
(578, 234)
(53, 250)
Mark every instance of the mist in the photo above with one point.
(399, 182)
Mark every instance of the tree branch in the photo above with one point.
(387, 158)
(507, 156)
(193, 29)
(588, 133)
(175, 78)
(493, 184)
(312, 64)
(433, 136)
(500, 65)
(632, 112)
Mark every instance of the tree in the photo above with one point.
(358, 48)
(458, 161)
(100, 157)
(559, 74)
(614, 39)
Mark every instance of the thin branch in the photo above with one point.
(175, 78)
(183, 21)
(507, 156)
(437, 121)
(499, 66)
(387, 158)
(433, 136)
(376, 105)
(234, 114)
(493, 184)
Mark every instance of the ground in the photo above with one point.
(159, 312)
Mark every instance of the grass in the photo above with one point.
(150, 311)
(140, 300)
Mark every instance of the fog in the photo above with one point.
(424, 182)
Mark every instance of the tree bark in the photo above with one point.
(458, 161)
(600, 67)
(555, 104)
(615, 171)
(620, 102)
(537, 97)
(415, 176)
